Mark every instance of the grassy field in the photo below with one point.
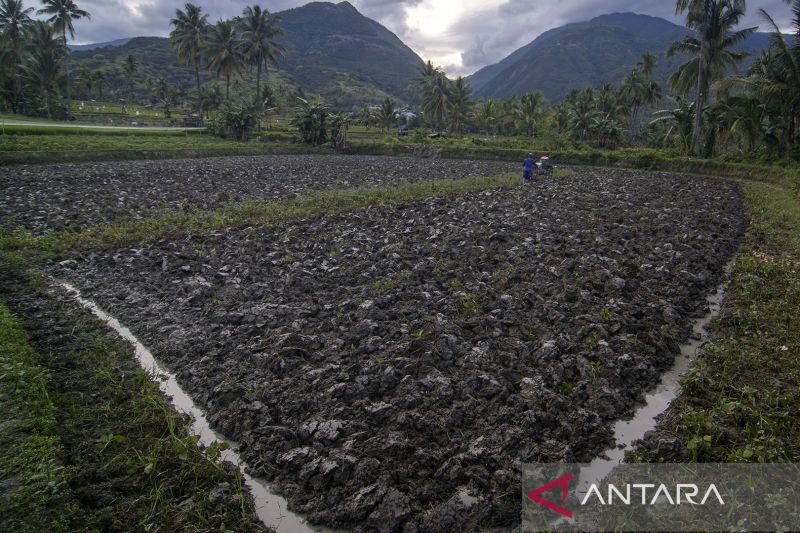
(30, 448)
(104, 145)
(741, 401)
(89, 443)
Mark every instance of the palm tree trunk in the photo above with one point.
(66, 68)
(197, 78)
(697, 134)
(227, 87)
(258, 82)
(632, 131)
(16, 82)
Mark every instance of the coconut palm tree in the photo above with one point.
(385, 114)
(711, 49)
(366, 117)
(188, 37)
(582, 113)
(460, 104)
(435, 91)
(260, 30)
(43, 67)
(743, 118)
(639, 90)
(530, 111)
(487, 116)
(130, 68)
(62, 15)
(99, 81)
(775, 76)
(211, 99)
(224, 53)
(606, 130)
(15, 19)
(647, 64)
(506, 114)
(561, 117)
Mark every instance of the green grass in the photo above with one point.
(35, 495)
(113, 145)
(741, 401)
(88, 443)
(115, 141)
(17, 133)
(10, 117)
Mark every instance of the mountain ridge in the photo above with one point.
(332, 50)
(585, 54)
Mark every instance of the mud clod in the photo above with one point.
(390, 369)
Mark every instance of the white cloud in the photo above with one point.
(460, 35)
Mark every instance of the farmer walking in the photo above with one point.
(527, 168)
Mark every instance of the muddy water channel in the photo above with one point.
(271, 508)
(390, 369)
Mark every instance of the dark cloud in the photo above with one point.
(481, 35)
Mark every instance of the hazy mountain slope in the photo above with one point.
(333, 44)
(586, 54)
(332, 50)
(93, 46)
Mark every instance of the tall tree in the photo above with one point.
(435, 90)
(530, 111)
(188, 36)
(648, 64)
(224, 52)
(260, 31)
(99, 81)
(130, 68)
(43, 67)
(15, 19)
(639, 90)
(461, 104)
(711, 49)
(62, 15)
(385, 114)
(487, 116)
(775, 76)
(582, 113)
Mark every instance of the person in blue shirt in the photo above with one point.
(527, 168)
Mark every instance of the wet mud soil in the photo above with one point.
(391, 368)
(44, 198)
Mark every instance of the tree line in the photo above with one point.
(35, 67)
(228, 47)
(715, 106)
(34, 73)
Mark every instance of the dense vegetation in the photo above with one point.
(714, 110)
(702, 106)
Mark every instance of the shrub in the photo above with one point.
(311, 121)
(235, 121)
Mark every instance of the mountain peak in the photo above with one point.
(586, 54)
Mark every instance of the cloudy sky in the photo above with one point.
(460, 35)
